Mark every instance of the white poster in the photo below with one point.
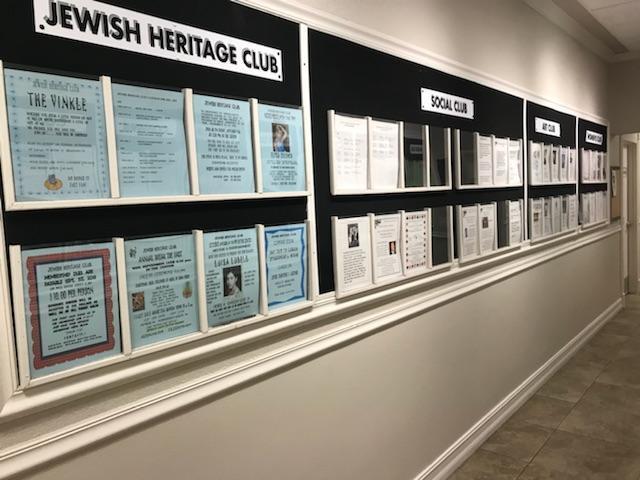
(515, 162)
(536, 217)
(565, 213)
(572, 167)
(487, 228)
(484, 160)
(546, 163)
(349, 152)
(387, 262)
(352, 248)
(469, 227)
(547, 228)
(515, 222)
(586, 165)
(385, 160)
(103, 24)
(564, 163)
(572, 207)
(415, 242)
(501, 161)
(555, 164)
(556, 214)
(535, 159)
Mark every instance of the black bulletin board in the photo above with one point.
(21, 46)
(353, 79)
(567, 138)
(583, 126)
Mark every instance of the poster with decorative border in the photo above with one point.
(71, 306)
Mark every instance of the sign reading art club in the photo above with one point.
(594, 137)
(102, 24)
(440, 102)
(547, 127)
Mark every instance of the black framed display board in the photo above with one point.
(592, 136)
(355, 80)
(548, 126)
(23, 47)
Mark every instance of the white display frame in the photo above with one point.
(401, 188)
(458, 163)
(25, 380)
(403, 278)
(551, 183)
(462, 260)
(563, 233)
(605, 159)
(12, 204)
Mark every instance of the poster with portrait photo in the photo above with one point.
(352, 252)
(387, 262)
(232, 275)
(281, 148)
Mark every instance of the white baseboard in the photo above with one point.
(467, 444)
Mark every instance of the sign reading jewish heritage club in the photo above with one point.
(102, 24)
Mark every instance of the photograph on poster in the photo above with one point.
(384, 141)
(281, 148)
(387, 260)
(352, 251)
(349, 152)
(71, 306)
(232, 275)
(223, 145)
(415, 242)
(57, 135)
(162, 288)
(286, 257)
(150, 138)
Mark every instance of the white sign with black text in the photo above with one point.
(547, 127)
(440, 102)
(594, 137)
(103, 24)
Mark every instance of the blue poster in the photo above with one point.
(58, 137)
(286, 256)
(152, 152)
(281, 149)
(232, 275)
(71, 306)
(223, 145)
(162, 288)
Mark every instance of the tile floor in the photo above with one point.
(584, 423)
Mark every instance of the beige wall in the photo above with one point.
(624, 97)
(382, 408)
(504, 38)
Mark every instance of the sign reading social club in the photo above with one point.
(102, 24)
(440, 102)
